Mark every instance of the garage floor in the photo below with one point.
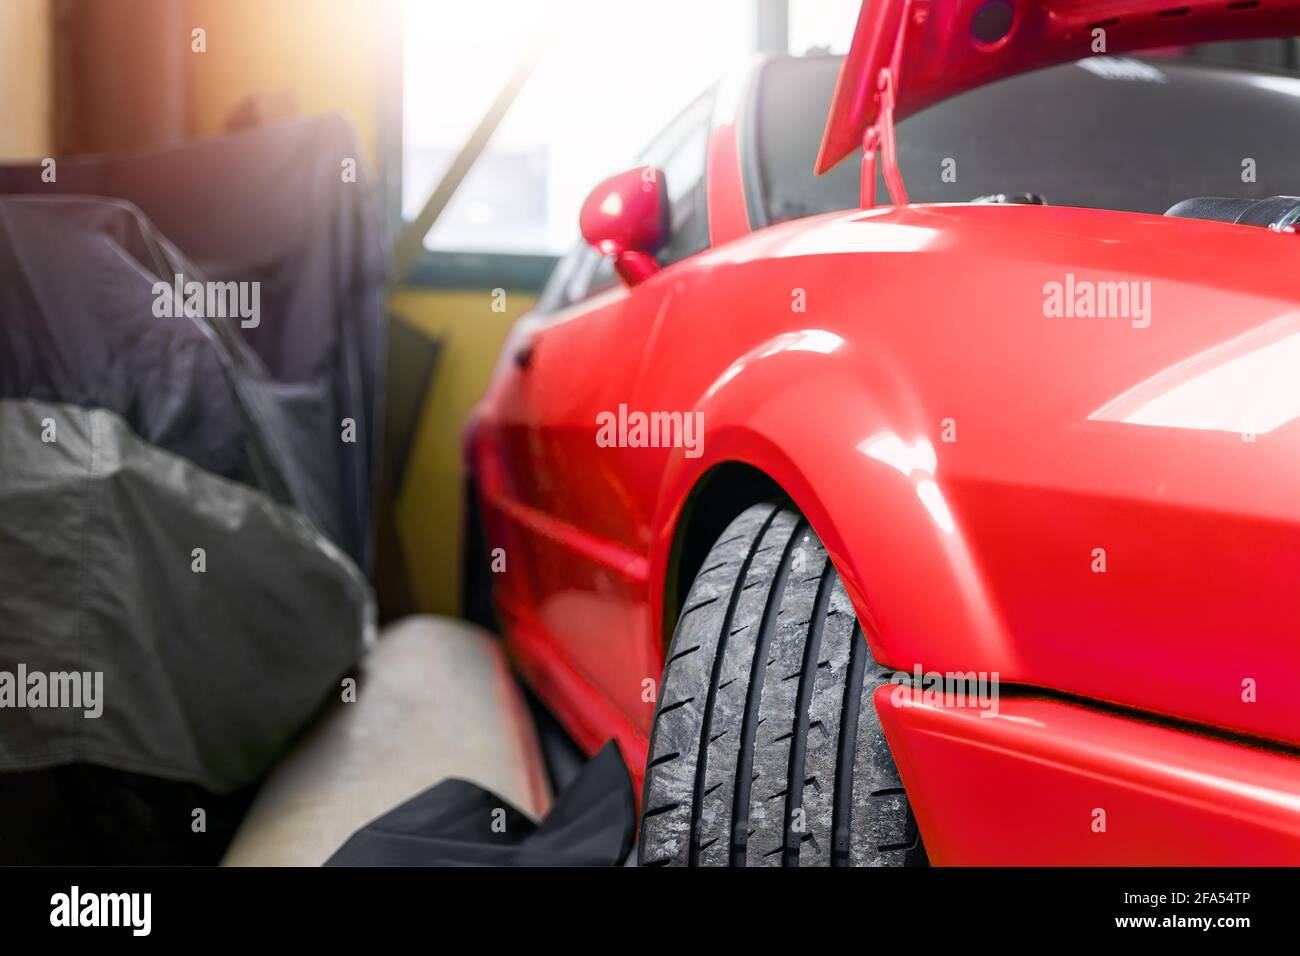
(435, 699)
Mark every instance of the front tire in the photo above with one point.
(766, 749)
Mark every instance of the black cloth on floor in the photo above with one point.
(457, 823)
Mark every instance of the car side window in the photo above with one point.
(680, 152)
(597, 273)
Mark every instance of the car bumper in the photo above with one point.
(1049, 782)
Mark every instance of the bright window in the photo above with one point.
(614, 72)
(822, 26)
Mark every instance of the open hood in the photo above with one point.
(938, 48)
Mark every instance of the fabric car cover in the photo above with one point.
(291, 207)
(149, 530)
(457, 823)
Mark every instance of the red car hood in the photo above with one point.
(950, 46)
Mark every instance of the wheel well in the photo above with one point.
(716, 500)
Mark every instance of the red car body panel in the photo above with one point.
(1047, 782)
(963, 457)
(726, 196)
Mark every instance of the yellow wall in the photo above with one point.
(429, 511)
(26, 80)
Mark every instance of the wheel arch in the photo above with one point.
(802, 425)
(717, 498)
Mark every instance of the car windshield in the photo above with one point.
(1109, 133)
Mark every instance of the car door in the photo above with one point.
(586, 509)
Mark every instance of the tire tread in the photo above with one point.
(766, 749)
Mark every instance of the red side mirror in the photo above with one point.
(626, 217)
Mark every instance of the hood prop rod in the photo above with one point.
(879, 136)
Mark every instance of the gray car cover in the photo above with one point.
(290, 206)
(167, 606)
(186, 483)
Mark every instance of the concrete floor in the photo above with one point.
(435, 699)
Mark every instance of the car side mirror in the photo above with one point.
(626, 217)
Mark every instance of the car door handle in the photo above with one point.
(524, 354)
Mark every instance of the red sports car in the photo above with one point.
(964, 528)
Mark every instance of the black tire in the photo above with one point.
(766, 749)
